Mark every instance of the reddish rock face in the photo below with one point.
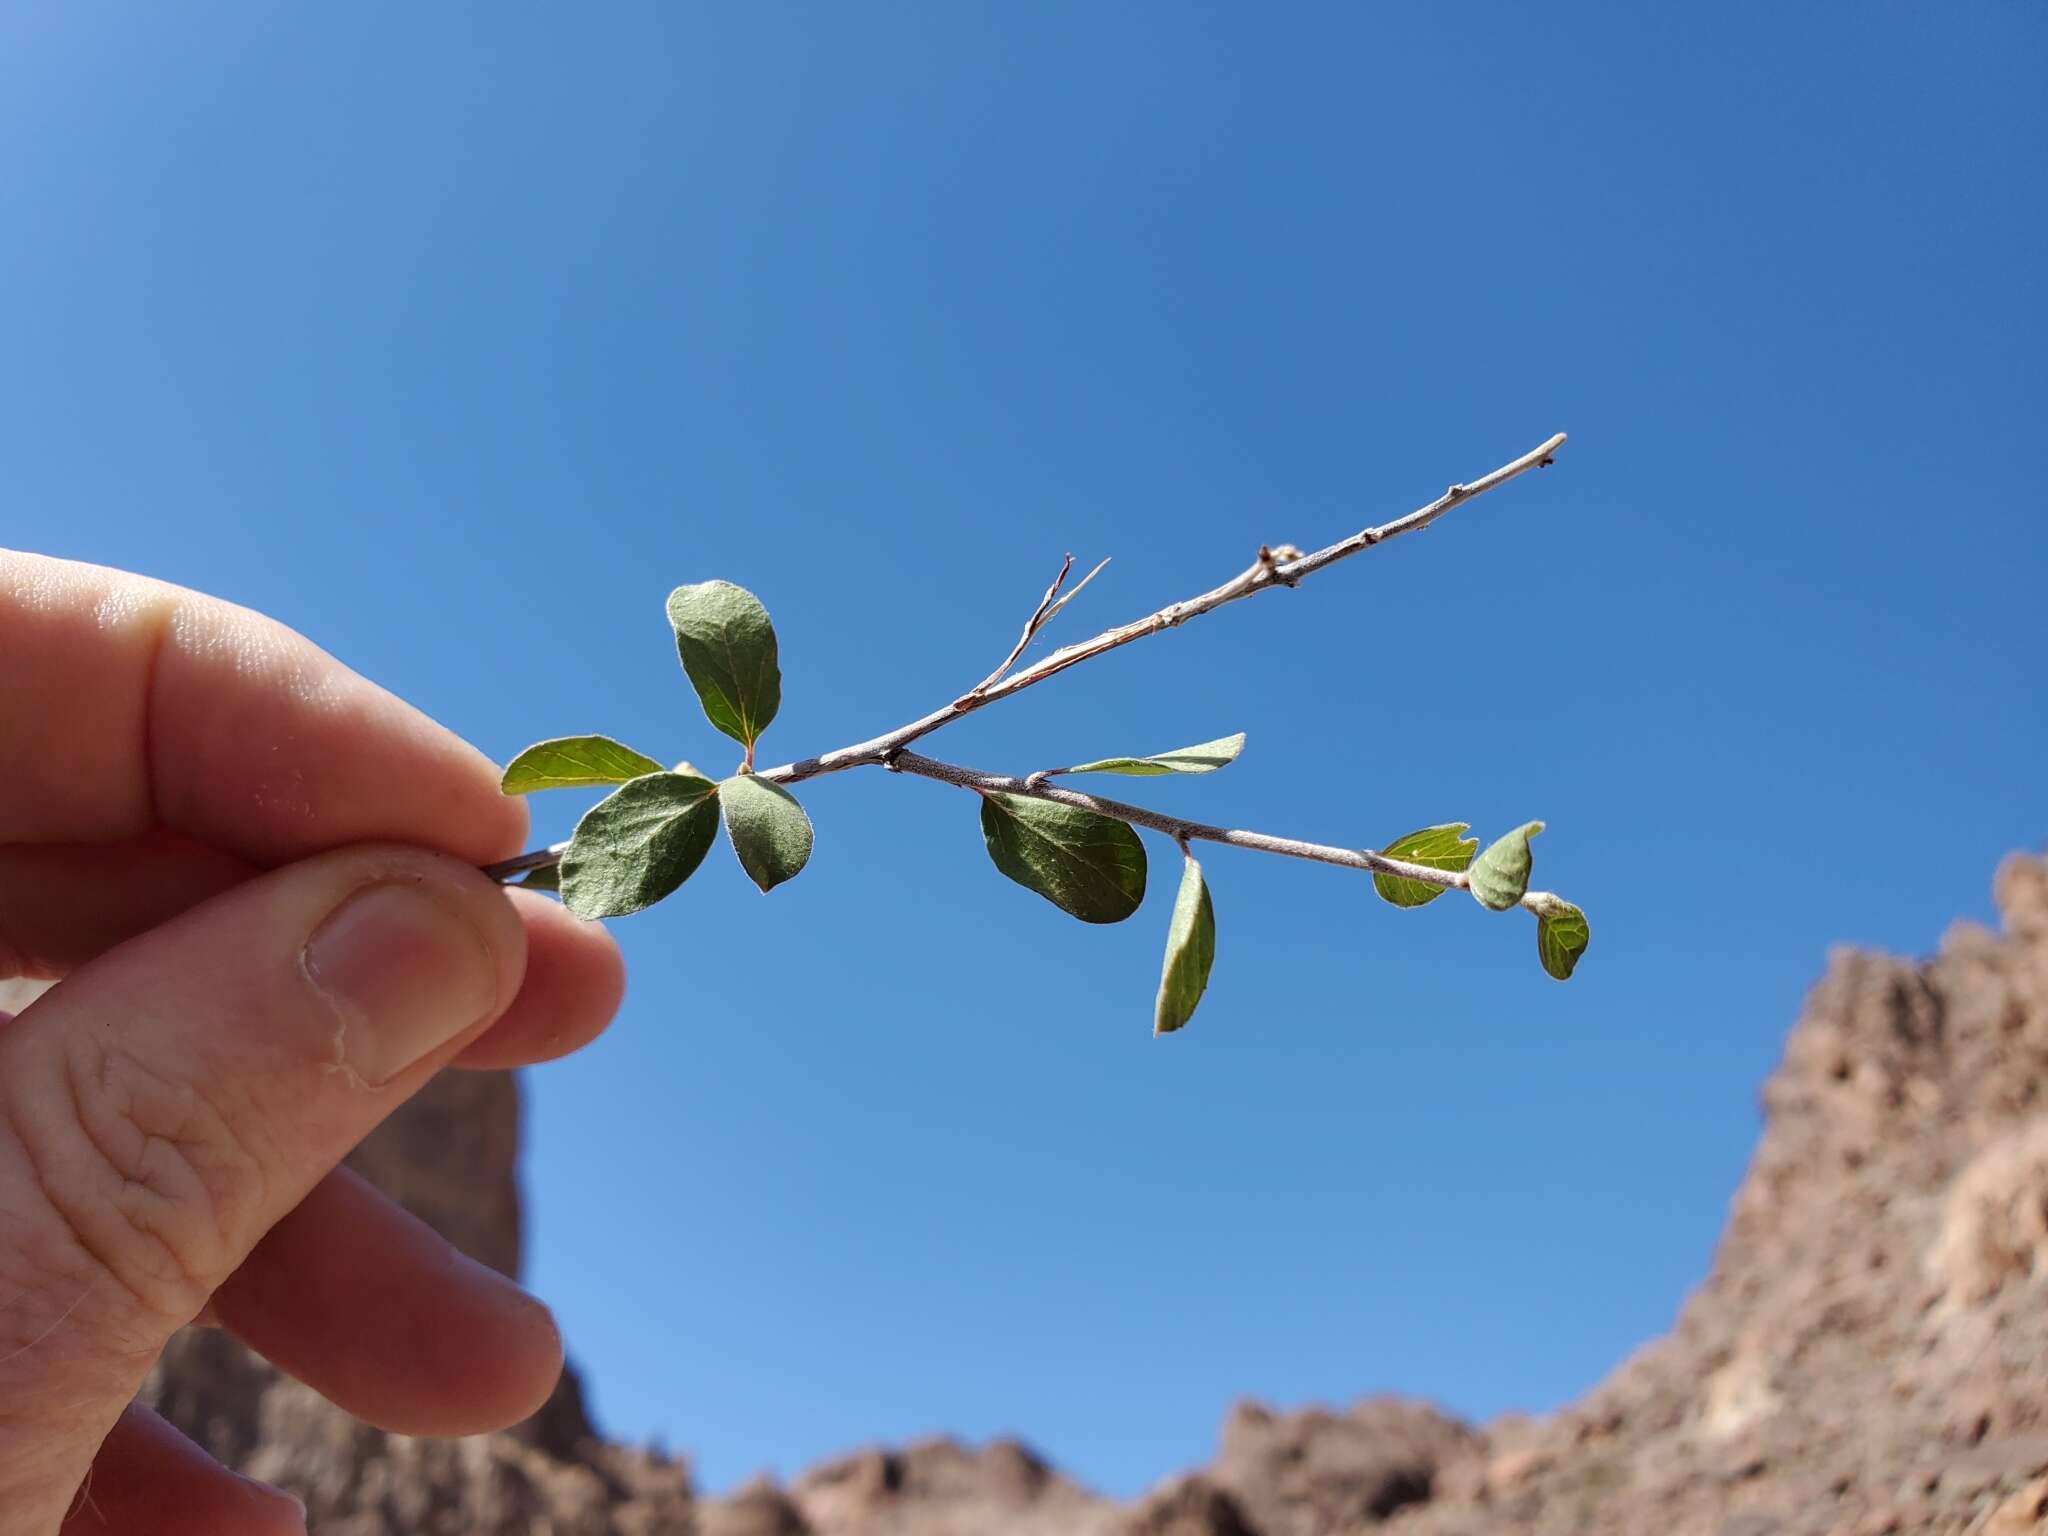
(1301, 1474)
(1869, 1352)
(451, 1157)
(1870, 1348)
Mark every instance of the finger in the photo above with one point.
(148, 1478)
(575, 980)
(377, 1312)
(164, 1106)
(62, 906)
(131, 704)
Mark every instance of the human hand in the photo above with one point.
(219, 838)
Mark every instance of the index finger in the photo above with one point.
(128, 704)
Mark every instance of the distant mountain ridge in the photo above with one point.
(1867, 1355)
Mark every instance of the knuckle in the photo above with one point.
(146, 1175)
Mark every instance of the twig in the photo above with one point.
(1542, 903)
(1265, 572)
(1257, 579)
(1175, 827)
(539, 858)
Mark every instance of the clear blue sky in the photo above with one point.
(456, 336)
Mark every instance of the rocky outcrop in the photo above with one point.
(1301, 1474)
(1188, 1506)
(450, 1157)
(359, 1481)
(943, 1488)
(1869, 1353)
(1870, 1350)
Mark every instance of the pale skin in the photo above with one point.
(255, 873)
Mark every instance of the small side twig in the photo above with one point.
(1046, 611)
(1031, 627)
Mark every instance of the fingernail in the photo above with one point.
(406, 973)
(271, 1493)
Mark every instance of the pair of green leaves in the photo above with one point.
(1088, 865)
(648, 836)
(1093, 867)
(1498, 879)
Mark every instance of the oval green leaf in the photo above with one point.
(1089, 866)
(1445, 847)
(768, 829)
(1500, 875)
(1190, 951)
(1561, 937)
(569, 762)
(728, 649)
(1205, 757)
(638, 844)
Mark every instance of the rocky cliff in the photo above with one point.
(1869, 1353)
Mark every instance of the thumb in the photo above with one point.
(163, 1106)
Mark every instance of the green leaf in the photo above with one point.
(547, 878)
(1561, 937)
(728, 648)
(769, 830)
(1087, 865)
(1206, 757)
(1500, 875)
(1190, 951)
(568, 762)
(1445, 847)
(638, 844)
